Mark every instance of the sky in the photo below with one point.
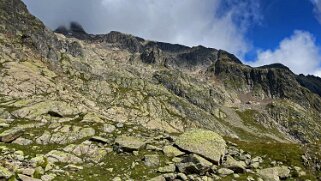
(259, 32)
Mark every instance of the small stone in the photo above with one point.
(236, 175)
(26, 178)
(39, 170)
(110, 170)
(177, 159)
(153, 148)
(171, 151)
(109, 128)
(299, 171)
(158, 178)
(249, 178)
(74, 167)
(136, 153)
(5, 173)
(116, 179)
(255, 165)
(38, 160)
(236, 166)
(48, 177)
(167, 169)
(151, 160)
(120, 125)
(225, 171)
(28, 171)
(182, 176)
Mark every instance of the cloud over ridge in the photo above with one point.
(219, 24)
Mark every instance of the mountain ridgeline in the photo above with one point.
(110, 100)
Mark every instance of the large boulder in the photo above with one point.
(203, 142)
(274, 173)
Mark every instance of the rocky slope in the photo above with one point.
(80, 106)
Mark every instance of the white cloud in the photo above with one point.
(215, 23)
(317, 9)
(299, 52)
(318, 73)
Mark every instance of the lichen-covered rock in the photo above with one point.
(167, 169)
(129, 143)
(11, 134)
(151, 160)
(109, 128)
(5, 173)
(60, 156)
(22, 141)
(203, 142)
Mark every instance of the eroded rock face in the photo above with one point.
(203, 142)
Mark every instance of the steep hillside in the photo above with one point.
(75, 105)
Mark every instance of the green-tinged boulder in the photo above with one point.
(203, 142)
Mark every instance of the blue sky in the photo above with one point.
(279, 19)
(257, 31)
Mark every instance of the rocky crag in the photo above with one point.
(78, 106)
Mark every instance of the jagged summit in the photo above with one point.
(276, 65)
(74, 30)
